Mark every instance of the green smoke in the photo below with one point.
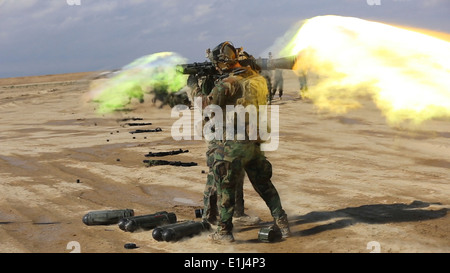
(155, 72)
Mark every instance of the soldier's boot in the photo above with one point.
(283, 223)
(245, 219)
(217, 237)
(223, 234)
(241, 218)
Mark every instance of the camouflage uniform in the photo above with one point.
(231, 157)
(210, 211)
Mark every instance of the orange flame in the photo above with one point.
(405, 72)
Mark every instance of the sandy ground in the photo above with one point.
(348, 182)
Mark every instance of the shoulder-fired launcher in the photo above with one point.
(207, 68)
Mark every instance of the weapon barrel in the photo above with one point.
(106, 217)
(280, 63)
(205, 68)
(186, 69)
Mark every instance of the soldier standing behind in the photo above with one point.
(201, 88)
(303, 83)
(278, 83)
(231, 157)
(267, 74)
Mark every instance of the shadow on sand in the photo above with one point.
(370, 214)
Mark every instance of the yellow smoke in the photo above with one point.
(404, 71)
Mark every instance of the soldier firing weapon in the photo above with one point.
(208, 69)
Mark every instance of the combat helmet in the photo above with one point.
(224, 56)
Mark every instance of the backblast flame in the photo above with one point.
(405, 72)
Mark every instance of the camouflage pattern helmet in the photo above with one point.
(223, 56)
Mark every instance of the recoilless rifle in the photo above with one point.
(201, 69)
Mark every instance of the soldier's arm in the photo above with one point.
(224, 91)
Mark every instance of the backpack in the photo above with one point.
(254, 90)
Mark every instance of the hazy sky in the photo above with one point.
(39, 37)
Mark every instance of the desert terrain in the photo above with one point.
(349, 182)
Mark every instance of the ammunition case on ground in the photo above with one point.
(198, 213)
(146, 222)
(269, 234)
(178, 231)
(106, 217)
(122, 222)
(157, 231)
